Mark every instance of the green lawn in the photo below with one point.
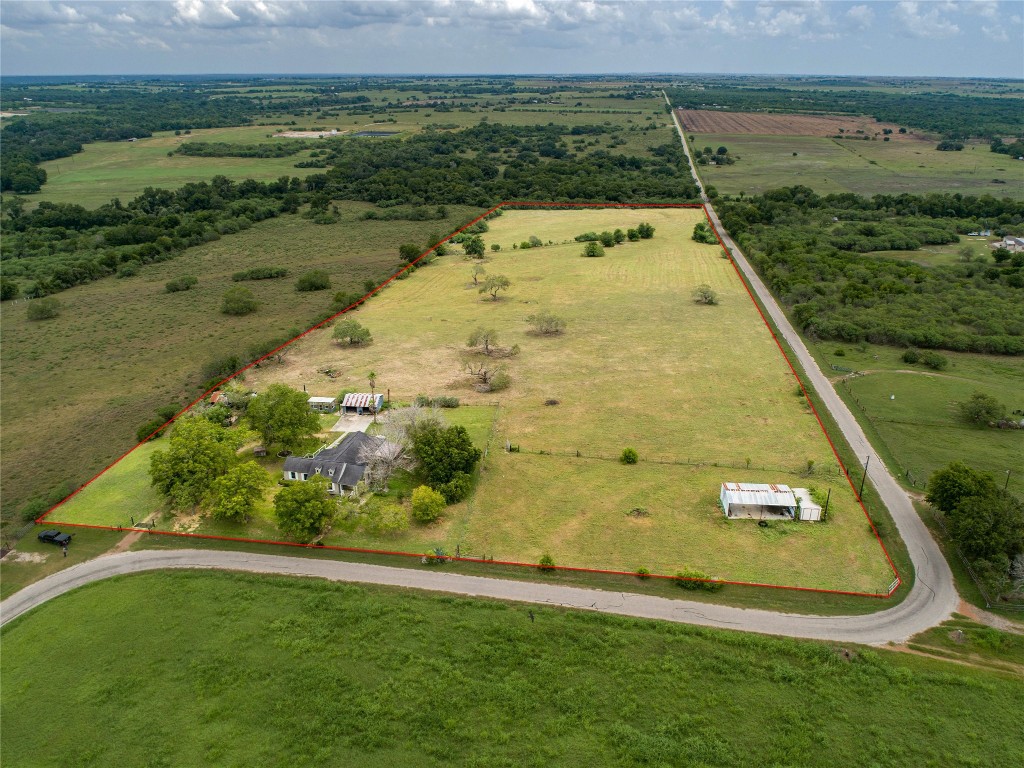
(864, 167)
(186, 668)
(119, 495)
(920, 429)
(34, 560)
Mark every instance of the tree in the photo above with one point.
(618, 236)
(234, 495)
(483, 337)
(239, 300)
(702, 233)
(315, 280)
(703, 294)
(427, 504)
(304, 509)
(629, 456)
(474, 246)
(645, 230)
(947, 487)
(988, 526)
(632, 235)
(546, 323)
(535, 242)
(443, 452)
(198, 452)
(593, 249)
(440, 248)
(607, 239)
(408, 252)
(151, 430)
(478, 272)
(350, 331)
(1001, 254)
(8, 289)
(43, 309)
(382, 458)
(493, 284)
(981, 409)
(282, 416)
(721, 151)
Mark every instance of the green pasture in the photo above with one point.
(81, 384)
(639, 365)
(864, 167)
(105, 170)
(920, 430)
(260, 670)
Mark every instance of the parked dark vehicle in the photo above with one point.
(55, 537)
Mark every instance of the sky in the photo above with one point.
(978, 38)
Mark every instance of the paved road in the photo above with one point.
(877, 628)
(931, 600)
(934, 595)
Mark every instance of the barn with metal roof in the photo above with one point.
(767, 501)
(357, 402)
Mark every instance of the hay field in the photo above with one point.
(640, 365)
(765, 124)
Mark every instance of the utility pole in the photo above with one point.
(824, 514)
(860, 493)
(1007, 483)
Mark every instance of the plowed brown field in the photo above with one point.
(713, 121)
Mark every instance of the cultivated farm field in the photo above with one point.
(767, 124)
(701, 392)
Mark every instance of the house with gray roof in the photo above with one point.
(338, 463)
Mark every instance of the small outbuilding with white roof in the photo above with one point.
(323, 404)
(767, 501)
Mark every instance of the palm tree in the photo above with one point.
(372, 376)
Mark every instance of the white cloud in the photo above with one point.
(929, 23)
(861, 16)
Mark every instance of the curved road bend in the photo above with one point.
(934, 595)
(931, 600)
(896, 624)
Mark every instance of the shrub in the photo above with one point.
(456, 489)
(629, 456)
(238, 301)
(702, 234)
(587, 237)
(317, 280)
(535, 242)
(445, 401)
(183, 283)
(632, 235)
(128, 269)
(643, 573)
(646, 231)
(607, 239)
(427, 504)
(546, 562)
(43, 309)
(352, 332)
(386, 520)
(546, 323)
(593, 249)
(692, 579)
(911, 356)
(260, 273)
(499, 381)
(150, 430)
(934, 360)
(703, 294)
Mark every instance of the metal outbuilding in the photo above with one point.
(767, 501)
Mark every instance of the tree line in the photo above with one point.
(816, 254)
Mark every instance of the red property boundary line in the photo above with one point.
(326, 547)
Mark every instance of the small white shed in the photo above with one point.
(323, 404)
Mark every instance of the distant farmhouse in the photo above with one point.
(763, 501)
(339, 464)
(1012, 244)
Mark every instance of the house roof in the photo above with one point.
(323, 400)
(339, 463)
(759, 494)
(361, 400)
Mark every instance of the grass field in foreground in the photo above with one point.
(864, 167)
(280, 671)
(920, 429)
(641, 365)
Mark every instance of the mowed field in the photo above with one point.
(921, 430)
(766, 124)
(105, 170)
(863, 167)
(78, 386)
(640, 365)
(277, 671)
